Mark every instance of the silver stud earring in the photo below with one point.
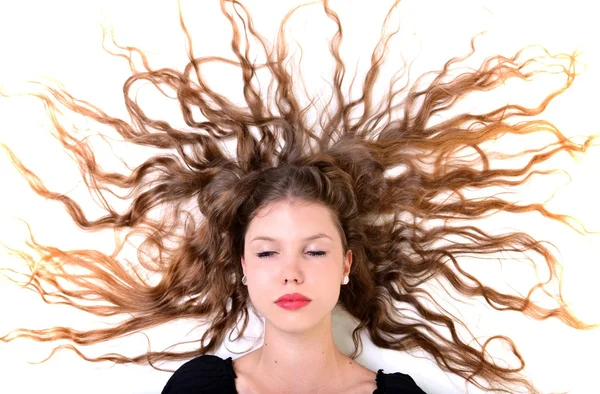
(244, 280)
(346, 279)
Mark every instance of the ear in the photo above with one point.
(243, 265)
(347, 262)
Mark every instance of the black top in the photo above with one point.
(210, 374)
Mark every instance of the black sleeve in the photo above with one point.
(207, 374)
(400, 383)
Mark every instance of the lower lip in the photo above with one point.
(291, 305)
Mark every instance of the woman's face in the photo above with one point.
(297, 242)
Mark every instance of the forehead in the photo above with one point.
(292, 218)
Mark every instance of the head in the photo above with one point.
(292, 235)
(295, 246)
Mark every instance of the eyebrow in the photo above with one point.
(316, 236)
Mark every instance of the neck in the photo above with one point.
(304, 361)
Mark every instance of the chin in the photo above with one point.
(298, 320)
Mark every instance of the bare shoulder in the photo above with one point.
(241, 363)
(363, 379)
(243, 383)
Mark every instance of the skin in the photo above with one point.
(299, 354)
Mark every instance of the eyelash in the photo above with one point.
(313, 253)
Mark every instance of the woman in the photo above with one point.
(385, 183)
(292, 248)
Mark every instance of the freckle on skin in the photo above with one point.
(275, 361)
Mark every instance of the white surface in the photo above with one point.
(61, 39)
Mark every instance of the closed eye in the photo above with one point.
(262, 255)
(313, 253)
(316, 253)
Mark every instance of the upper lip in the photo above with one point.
(293, 297)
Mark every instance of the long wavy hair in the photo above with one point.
(397, 179)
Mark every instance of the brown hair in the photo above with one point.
(401, 231)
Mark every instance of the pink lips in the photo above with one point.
(292, 305)
(293, 301)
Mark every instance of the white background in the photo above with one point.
(62, 40)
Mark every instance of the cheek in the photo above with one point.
(262, 282)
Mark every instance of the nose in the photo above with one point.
(292, 271)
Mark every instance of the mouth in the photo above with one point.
(292, 298)
(292, 304)
(292, 301)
